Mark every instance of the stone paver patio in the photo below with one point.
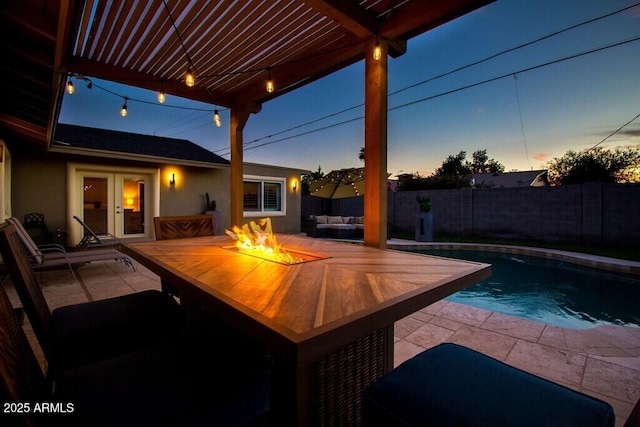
(603, 362)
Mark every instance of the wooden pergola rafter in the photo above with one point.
(229, 44)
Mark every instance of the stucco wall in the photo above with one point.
(291, 222)
(39, 184)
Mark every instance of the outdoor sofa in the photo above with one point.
(335, 226)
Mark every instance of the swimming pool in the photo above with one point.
(549, 291)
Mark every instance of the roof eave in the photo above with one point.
(57, 148)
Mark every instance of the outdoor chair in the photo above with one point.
(74, 335)
(37, 228)
(453, 385)
(178, 227)
(92, 239)
(53, 256)
(174, 384)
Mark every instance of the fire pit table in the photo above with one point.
(329, 321)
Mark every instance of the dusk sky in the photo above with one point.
(525, 107)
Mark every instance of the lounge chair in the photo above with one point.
(52, 256)
(92, 239)
(171, 384)
(76, 334)
(178, 227)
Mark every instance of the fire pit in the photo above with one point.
(258, 240)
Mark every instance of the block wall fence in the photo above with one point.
(594, 213)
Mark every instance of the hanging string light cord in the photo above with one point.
(184, 48)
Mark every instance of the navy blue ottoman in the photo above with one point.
(451, 385)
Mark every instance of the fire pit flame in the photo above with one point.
(259, 240)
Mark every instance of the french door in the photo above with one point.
(122, 203)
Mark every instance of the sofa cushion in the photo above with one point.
(347, 220)
(321, 219)
(334, 220)
(359, 220)
(342, 226)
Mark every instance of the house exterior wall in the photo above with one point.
(291, 222)
(39, 184)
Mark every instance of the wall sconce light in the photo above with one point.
(295, 186)
(129, 202)
(172, 180)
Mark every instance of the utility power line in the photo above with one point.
(441, 94)
(225, 151)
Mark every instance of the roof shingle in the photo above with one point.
(133, 143)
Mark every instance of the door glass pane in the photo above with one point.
(95, 204)
(133, 195)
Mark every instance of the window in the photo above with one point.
(264, 195)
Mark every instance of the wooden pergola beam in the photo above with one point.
(142, 80)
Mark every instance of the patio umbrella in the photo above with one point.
(339, 184)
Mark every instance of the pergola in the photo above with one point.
(232, 48)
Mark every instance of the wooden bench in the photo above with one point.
(178, 227)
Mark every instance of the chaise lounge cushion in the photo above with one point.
(451, 385)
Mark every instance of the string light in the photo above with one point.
(161, 96)
(70, 88)
(377, 50)
(270, 86)
(216, 118)
(123, 110)
(189, 78)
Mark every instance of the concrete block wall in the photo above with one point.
(590, 213)
(593, 213)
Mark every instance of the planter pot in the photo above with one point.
(424, 227)
(217, 215)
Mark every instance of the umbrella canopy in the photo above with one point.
(339, 184)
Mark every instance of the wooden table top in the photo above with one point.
(352, 292)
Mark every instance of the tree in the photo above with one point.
(482, 164)
(455, 166)
(595, 165)
(361, 154)
(310, 177)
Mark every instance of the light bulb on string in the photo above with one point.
(377, 50)
(161, 96)
(189, 78)
(70, 88)
(270, 86)
(123, 110)
(216, 118)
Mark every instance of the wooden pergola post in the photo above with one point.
(239, 116)
(375, 143)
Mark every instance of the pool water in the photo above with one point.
(553, 292)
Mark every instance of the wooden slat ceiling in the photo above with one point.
(229, 45)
